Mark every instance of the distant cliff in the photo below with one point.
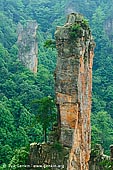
(108, 27)
(27, 44)
(73, 79)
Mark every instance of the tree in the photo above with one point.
(45, 112)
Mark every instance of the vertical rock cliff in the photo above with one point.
(73, 79)
(27, 45)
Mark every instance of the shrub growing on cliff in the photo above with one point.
(85, 24)
(50, 43)
(106, 164)
(57, 146)
(75, 31)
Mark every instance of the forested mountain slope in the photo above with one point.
(19, 88)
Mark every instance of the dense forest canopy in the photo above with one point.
(20, 89)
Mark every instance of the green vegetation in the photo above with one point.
(50, 44)
(96, 156)
(106, 164)
(19, 159)
(76, 31)
(45, 112)
(19, 88)
(57, 146)
(102, 125)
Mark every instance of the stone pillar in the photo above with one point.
(73, 78)
(27, 45)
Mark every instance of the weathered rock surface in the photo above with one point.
(73, 79)
(27, 45)
(47, 156)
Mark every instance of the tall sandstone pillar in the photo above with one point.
(73, 78)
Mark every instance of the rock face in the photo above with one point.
(73, 79)
(27, 45)
(47, 156)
